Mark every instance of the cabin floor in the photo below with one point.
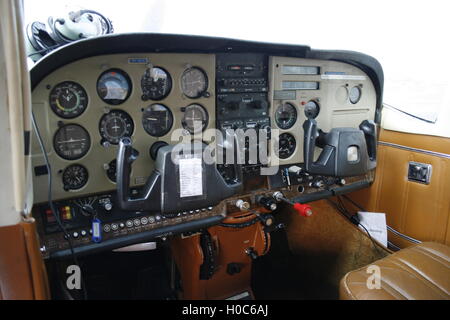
(309, 258)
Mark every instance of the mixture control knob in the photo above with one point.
(243, 205)
(302, 209)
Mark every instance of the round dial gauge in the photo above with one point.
(312, 109)
(195, 118)
(194, 82)
(68, 100)
(156, 84)
(157, 120)
(111, 170)
(286, 116)
(114, 86)
(115, 125)
(287, 145)
(75, 177)
(355, 94)
(71, 142)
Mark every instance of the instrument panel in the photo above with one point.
(84, 108)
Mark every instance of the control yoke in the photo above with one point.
(162, 192)
(345, 152)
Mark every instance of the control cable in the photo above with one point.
(51, 203)
(354, 219)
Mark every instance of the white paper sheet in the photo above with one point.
(191, 177)
(375, 223)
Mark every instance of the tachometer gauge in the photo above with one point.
(115, 125)
(68, 100)
(156, 84)
(157, 120)
(312, 109)
(75, 177)
(194, 82)
(195, 119)
(355, 94)
(286, 116)
(287, 145)
(72, 142)
(114, 86)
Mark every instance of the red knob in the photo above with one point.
(303, 209)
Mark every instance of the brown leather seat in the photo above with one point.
(421, 272)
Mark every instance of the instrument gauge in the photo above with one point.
(194, 82)
(312, 109)
(72, 142)
(75, 177)
(114, 86)
(286, 116)
(157, 120)
(287, 145)
(355, 94)
(156, 84)
(115, 125)
(68, 100)
(195, 119)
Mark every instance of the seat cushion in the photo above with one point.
(421, 272)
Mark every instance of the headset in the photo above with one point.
(41, 39)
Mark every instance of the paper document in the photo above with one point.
(375, 223)
(191, 178)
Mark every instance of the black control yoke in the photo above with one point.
(161, 193)
(345, 152)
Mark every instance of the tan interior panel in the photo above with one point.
(417, 210)
(22, 270)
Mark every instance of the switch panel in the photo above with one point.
(419, 172)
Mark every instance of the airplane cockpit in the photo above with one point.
(183, 167)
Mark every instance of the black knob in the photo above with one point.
(88, 210)
(268, 203)
(155, 148)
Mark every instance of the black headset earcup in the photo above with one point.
(32, 32)
(39, 37)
